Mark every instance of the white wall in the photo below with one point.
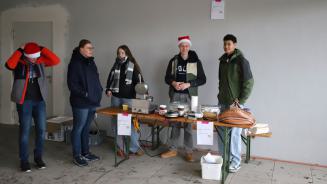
(284, 40)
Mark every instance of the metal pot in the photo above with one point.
(141, 88)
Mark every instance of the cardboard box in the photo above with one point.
(57, 126)
(58, 136)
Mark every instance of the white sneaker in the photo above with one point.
(234, 169)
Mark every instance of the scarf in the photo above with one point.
(115, 74)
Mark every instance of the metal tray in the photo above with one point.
(171, 114)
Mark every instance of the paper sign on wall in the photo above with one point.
(204, 133)
(217, 9)
(124, 124)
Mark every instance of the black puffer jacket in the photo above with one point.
(83, 81)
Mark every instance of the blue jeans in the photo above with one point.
(176, 126)
(134, 146)
(83, 118)
(26, 111)
(235, 145)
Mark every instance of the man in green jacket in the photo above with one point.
(235, 83)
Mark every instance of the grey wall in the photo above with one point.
(284, 40)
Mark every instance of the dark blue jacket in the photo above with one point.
(83, 81)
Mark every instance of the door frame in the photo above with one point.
(59, 18)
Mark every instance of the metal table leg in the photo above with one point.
(155, 131)
(125, 144)
(248, 149)
(115, 147)
(158, 130)
(158, 138)
(152, 137)
(226, 155)
(247, 141)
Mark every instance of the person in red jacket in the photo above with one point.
(29, 92)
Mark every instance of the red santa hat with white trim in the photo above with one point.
(32, 50)
(184, 39)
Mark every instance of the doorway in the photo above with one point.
(47, 25)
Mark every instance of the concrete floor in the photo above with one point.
(139, 170)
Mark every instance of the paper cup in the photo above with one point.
(194, 103)
(125, 107)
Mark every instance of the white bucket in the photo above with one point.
(212, 171)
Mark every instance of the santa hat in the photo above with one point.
(32, 50)
(184, 39)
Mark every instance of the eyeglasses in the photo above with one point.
(89, 48)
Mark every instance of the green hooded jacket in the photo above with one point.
(235, 78)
